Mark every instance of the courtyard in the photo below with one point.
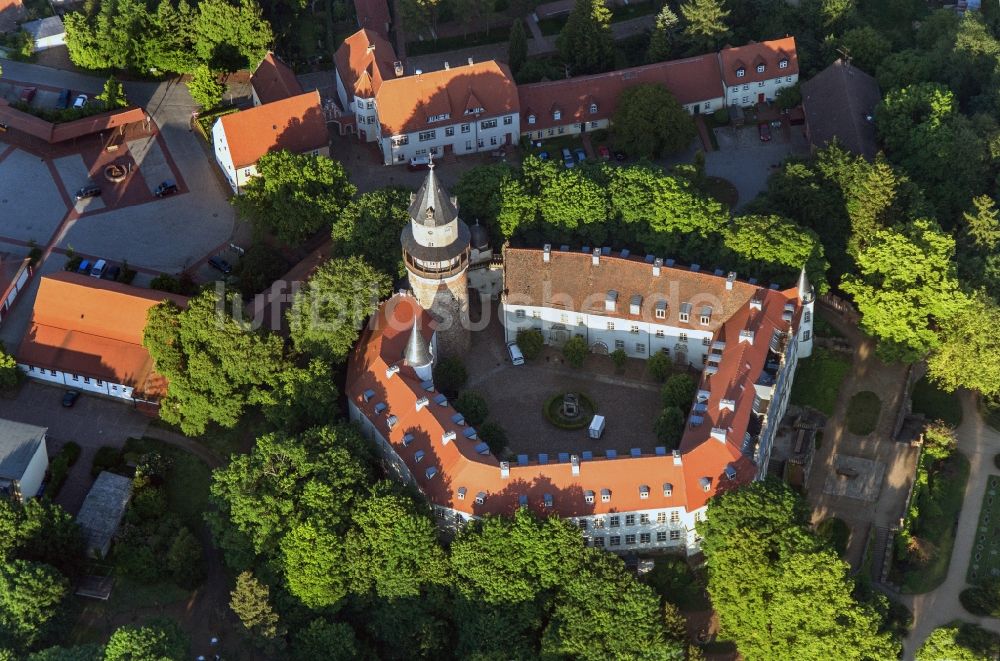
(630, 401)
(747, 162)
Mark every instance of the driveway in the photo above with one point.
(979, 442)
(747, 162)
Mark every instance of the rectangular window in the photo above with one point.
(684, 316)
(86, 380)
(806, 335)
(564, 318)
(640, 347)
(468, 145)
(644, 519)
(708, 105)
(488, 124)
(549, 132)
(519, 314)
(661, 517)
(619, 344)
(675, 535)
(593, 125)
(557, 115)
(583, 524)
(630, 519)
(599, 522)
(100, 383)
(697, 517)
(400, 140)
(683, 337)
(427, 135)
(480, 143)
(630, 539)
(634, 329)
(660, 333)
(705, 341)
(493, 141)
(661, 313)
(616, 540)
(449, 131)
(614, 520)
(644, 538)
(783, 64)
(31, 368)
(599, 541)
(52, 372)
(535, 314)
(760, 84)
(611, 325)
(508, 120)
(746, 87)
(465, 128)
(661, 536)
(788, 79)
(75, 377)
(760, 68)
(675, 517)
(736, 88)
(562, 130)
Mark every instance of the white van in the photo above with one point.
(516, 357)
(100, 266)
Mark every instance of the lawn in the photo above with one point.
(985, 558)
(95, 620)
(862, 412)
(187, 488)
(818, 380)
(936, 404)
(677, 583)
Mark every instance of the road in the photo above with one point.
(979, 443)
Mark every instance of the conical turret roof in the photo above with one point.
(805, 288)
(418, 350)
(431, 206)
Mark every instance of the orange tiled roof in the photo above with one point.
(419, 432)
(274, 80)
(364, 60)
(406, 104)
(296, 124)
(93, 327)
(768, 53)
(692, 80)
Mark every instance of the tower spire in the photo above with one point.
(805, 288)
(418, 352)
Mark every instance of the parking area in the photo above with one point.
(747, 162)
(41, 96)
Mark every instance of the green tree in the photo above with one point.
(531, 342)
(705, 28)
(47, 533)
(764, 242)
(906, 283)
(585, 42)
(214, 366)
(420, 14)
(517, 47)
(113, 94)
(91, 652)
(619, 357)
(170, 46)
(669, 427)
(659, 366)
(231, 37)
(866, 46)
(325, 640)
(185, 560)
(575, 351)
(663, 40)
(392, 546)
(450, 375)
(328, 312)
(472, 406)
(156, 641)
(968, 350)
(205, 87)
(30, 595)
(939, 440)
(370, 226)
(494, 436)
(314, 563)
(649, 122)
(251, 601)
(678, 390)
(959, 641)
(478, 190)
(667, 205)
(983, 225)
(10, 375)
(294, 195)
(305, 397)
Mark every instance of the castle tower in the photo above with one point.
(436, 255)
(418, 353)
(807, 297)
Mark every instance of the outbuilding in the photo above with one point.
(23, 459)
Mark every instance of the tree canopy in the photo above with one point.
(585, 42)
(649, 122)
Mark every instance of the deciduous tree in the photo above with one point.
(322, 639)
(30, 593)
(370, 225)
(968, 352)
(649, 122)
(156, 641)
(205, 88)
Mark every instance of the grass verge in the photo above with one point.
(818, 380)
(674, 580)
(862, 412)
(936, 404)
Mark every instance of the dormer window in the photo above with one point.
(605, 495)
(593, 108)
(589, 496)
(706, 315)
(783, 63)
(760, 68)
(685, 313)
(531, 119)
(557, 115)
(741, 72)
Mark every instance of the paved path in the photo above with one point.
(979, 442)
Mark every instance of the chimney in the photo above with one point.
(547, 252)
(398, 68)
(423, 402)
(657, 265)
(418, 71)
(447, 437)
(719, 434)
(746, 336)
(470, 61)
(391, 370)
(677, 457)
(574, 463)
(370, 49)
(596, 259)
(447, 66)
(504, 469)
(730, 279)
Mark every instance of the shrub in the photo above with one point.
(472, 406)
(73, 263)
(679, 391)
(939, 440)
(721, 116)
(10, 375)
(148, 504)
(494, 436)
(575, 351)
(72, 452)
(107, 458)
(836, 532)
(34, 254)
(127, 274)
(530, 341)
(619, 358)
(450, 376)
(554, 404)
(659, 366)
(669, 427)
(58, 470)
(184, 560)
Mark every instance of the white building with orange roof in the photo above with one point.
(361, 64)
(756, 72)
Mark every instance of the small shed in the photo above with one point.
(23, 459)
(596, 429)
(46, 32)
(102, 511)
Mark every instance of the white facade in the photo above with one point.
(765, 91)
(465, 137)
(238, 177)
(34, 474)
(78, 382)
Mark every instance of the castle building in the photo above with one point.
(436, 254)
(744, 337)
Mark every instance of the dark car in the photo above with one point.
(63, 101)
(764, 130)
(620, 156)
(90, 190)
(581, 155)
(69, 399)
(168, 187)
(27, 94)
(220, 264)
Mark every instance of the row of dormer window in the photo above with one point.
(557, 114)
(782, 64)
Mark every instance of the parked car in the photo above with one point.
(764, 131)
(419, 163)
(220, 264)
(112, 273)
(80, 101)
(620, 156)
(27, 94)
(84, 266)
(604, 152)
(63, 101)
(100, 266)
(581, 155)
(168, 187)
(568, 158)
(70, 397)
(90, 190)
(543, 155)
(516, 357)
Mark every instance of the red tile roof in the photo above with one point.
(406, 104)
(94, 328)
(768, 53)
(692, 80)
(296, 124)
(363, 61)
(418, 433)
(273, 80)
